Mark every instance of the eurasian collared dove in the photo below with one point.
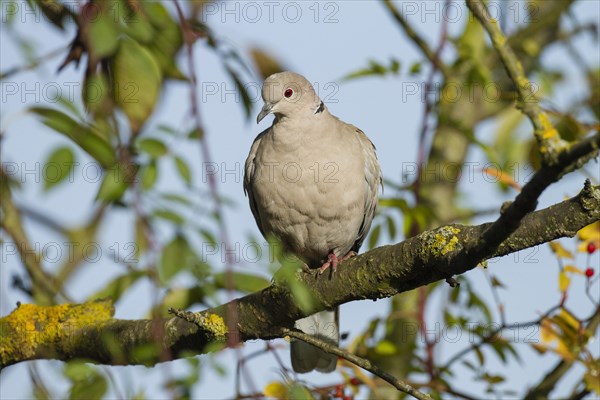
(312, 181)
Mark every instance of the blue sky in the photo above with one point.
(323, 41)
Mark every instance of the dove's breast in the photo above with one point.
(311, 195)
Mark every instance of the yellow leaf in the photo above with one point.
(571, 321)
(563, 281)
(583, 246)
(276, 389)
(560, 251)
(592, 376)
(592, 381)
(386, 348)
(502, 177)
(573, 269)
(563, 351)
(590, 232)
(540, 348)
(547, 332)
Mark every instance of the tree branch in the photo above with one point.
(361, 362)
(547, 136)
(432, 56)
(379, 273)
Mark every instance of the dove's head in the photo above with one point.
(287, 94)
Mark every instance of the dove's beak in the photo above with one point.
(266, 110)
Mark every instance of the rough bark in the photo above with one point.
(88, 330)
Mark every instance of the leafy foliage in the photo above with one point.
(131, 52)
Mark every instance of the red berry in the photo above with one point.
(589, 272)
(339, 391)
(355, 381)
(591, 248)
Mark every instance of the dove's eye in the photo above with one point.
(288, 93)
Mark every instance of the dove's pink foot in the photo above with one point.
(333, 261)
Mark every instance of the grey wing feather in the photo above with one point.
(373, 180)
(249, 170)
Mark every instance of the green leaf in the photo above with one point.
(374, 69)
(87, 381)
(480, 356)
(176, 256)
(287, 276)
(207, 236)
(496, 283)
(386, 348)
(96, 95)
(492, 379)
(391, 225)
(266, 64)
(195, 133)
(242, 282)
(415, 68)
(475, 302)
(375, 232)
(119, 285)
(182, 298)
(177, 198)
(58, 166)
(153, 147)
(103, 35)
(300, 392)
(115, 182)
(246, 100)
(134, 21)
(167, 129)
(184, 170)
(82, 135)
(169, 216)
(77, 370)
(167, 42)
(140, 238)
(137, 80)
(149, 175)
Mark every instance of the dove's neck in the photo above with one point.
(307, 127)
(312, 114)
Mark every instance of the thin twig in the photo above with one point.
(415, 229)
(361, 362)
(33, 64)
(416, 38)
(189, 38)
(493, 334)
(546, 135)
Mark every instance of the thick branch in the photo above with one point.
(379, 273)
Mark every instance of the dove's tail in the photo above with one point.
(305, 357)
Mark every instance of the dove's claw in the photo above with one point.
(333, 261)
(350, 254)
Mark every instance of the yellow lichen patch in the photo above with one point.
(548, 130)
(442, 241)
(450, 246)
(31, 326)
(216, 325)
